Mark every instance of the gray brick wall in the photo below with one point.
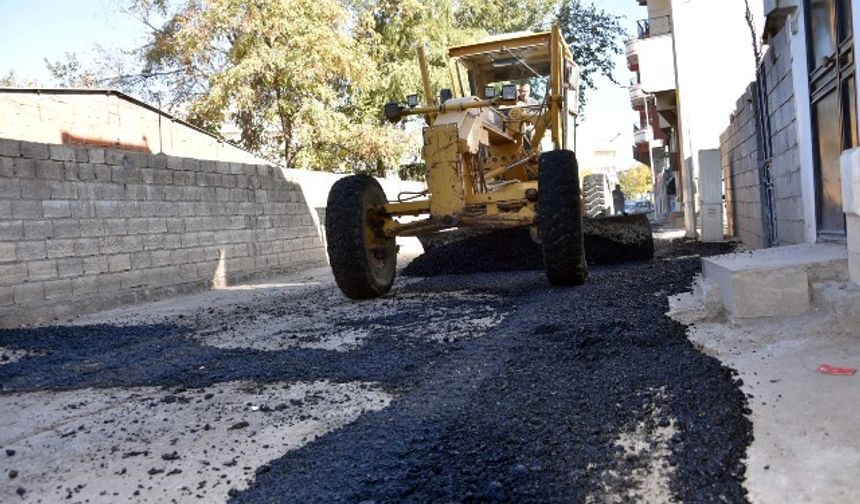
(740, 155)
(84, 229)
(740, 173)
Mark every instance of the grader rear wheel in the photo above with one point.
(362, 259)
(560, 218)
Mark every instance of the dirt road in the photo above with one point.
(486, 387)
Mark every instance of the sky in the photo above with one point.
(32, 30)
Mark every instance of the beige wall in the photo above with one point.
(106, 120)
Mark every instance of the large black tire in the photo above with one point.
(560, 218)
(362, 259)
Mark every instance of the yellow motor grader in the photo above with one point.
(492, 161)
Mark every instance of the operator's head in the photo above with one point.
(525, 91)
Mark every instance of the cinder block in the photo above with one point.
(125, 173)
(10, 148)
(6, 297)
(60, 248)
(110, 191)
(11, 230)
(140, 260)
(64, 190)
(96, 155)
(13, 273)
(35, 230)
(110, 245)
(114, 156)
(58, 289)
(25, 168)
(28, 292)
(71, 267)
(84, 285)
(30, 250)
(82, 209)
(10, 188)
(130, 279)
(115, 227)
(7, 252)
(87, 247)
(26, 209)
(85, 172)
(103, 172)
(95, 264)
(82, 155)
(48, 169)
(55, 209)
(41, 270)
(7, 167)
(61, 152)
(34, 150)
(120, 262)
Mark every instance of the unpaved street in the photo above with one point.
(485, 387)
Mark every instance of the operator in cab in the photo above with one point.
(524, 95)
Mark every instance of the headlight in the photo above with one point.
(412, 100)
(509, 92)
(392, 112)
(489, 92)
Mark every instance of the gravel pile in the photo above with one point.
(611, 240)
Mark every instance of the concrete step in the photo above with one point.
(775, 281)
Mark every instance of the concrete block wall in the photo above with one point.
(785, 169)
(739, 153)
(739, 150)
(84, 229)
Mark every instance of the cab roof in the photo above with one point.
(500, 58)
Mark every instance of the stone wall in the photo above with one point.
(741, 157)
(84, 229)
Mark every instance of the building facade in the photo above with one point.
(691, 59)
(790, 159)
(108, 119)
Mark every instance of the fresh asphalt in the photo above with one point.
(503, 389)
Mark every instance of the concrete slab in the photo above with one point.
(776, 281)
(807, 437)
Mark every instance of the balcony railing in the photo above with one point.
(637, 95)
(642, 135)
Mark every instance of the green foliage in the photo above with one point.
(304, 81)
(595, 36)
(69, 73)
(636, 182)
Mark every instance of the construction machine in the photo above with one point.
(493, 161)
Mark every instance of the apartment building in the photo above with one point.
(690, 59)
(790, 155)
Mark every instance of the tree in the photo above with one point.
(636, 182)
(595, 36)
(284, 71)
(70, 73)
(304, 81)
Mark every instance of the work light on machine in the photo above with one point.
(489, 92)
(509, 92)
(412, 100)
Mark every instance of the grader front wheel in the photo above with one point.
(362, 259)
(560, 218)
